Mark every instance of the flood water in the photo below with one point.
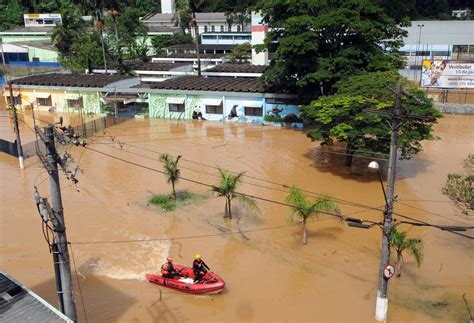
(116, 237)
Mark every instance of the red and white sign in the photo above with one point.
(388, 271)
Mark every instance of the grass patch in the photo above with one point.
(168, 203)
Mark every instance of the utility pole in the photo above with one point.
(396, 118)
(56, 215)
(17, 129)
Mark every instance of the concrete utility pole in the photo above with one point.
(382, 300)
(17, 129)
(396, 117)
(59, 246)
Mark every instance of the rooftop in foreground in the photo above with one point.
(217, 84)
(72, 80)
(237, 68)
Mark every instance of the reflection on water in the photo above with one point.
(272, 276)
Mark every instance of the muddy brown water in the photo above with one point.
(271, 276)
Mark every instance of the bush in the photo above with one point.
(289, 118)
(166, 202)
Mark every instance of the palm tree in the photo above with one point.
(400, 243)
(227, 187)
(304, 209)
(171, 169)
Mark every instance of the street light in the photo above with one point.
(417, 49)
(373, 165)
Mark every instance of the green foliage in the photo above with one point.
(159, 42)
(400, 243)
(289, 118)
(241, 53)
(227, 187)
(303, 209)
(167, 202)
(86, 49)
(460, 187)
(11, 14)
(340, 117)
(170, 165)
(318, 43)
(64, 36)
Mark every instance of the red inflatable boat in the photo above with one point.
(210, 284)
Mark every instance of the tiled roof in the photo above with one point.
(162, 29)
(190, 55)
(203, 47)
(237, 68)
(73, 80)
(18, 304)
(220, 84)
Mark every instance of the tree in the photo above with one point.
(11, 14)
(171, 169)
(227, 187)
(341, 117)
(196, 6)
(460, 187)
(318, 43)
(241, 53)
(304, 209)
(86, 50)
(159, 42)
(400, 243)
(64, 36)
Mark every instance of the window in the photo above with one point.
(209, 37)
(222, 28)
(16, 100)
(45, 101)
(280, 101)
(229, 28)
(205, 29)
(257, 112)
(214, 109)
(174, 107)
(423, 53)
(238, 28)
(75, 103)
(213, 28)
(439, 53)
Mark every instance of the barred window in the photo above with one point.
(256, 112)
(173, 107)
(214, 109)
(72, 103)
(45, 101)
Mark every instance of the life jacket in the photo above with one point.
(165, 269)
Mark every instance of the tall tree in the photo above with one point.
(172, 170)
(304, 209)
(341, 117)
(400, 243)
(65, 35)
(196, 6)
(317, 43)
(11, 14)
(459, 187)
(227, 187)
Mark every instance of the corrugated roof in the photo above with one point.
(28, 30)
(238, 68)
(141, 66)
(219, 84)
(42, 44)
(73, 80)
(18, 304)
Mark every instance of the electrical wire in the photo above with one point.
(273, 201)
(78, 283)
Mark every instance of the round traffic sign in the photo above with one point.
(388, 271)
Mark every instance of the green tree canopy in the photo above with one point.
(159, 42)
(241, 53)
(11, 14)
(459, 187)
(341, 117)
(318, 43)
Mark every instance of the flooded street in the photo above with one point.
(116, 237)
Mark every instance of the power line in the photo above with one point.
(273, 201)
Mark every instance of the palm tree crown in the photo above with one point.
(304, 209)
(399, 242)
(171, 169)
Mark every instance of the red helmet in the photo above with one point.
(169, 259)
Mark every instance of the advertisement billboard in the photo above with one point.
(42, 19)
(447, 74)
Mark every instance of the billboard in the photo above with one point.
(447, 74)
(41, 19)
